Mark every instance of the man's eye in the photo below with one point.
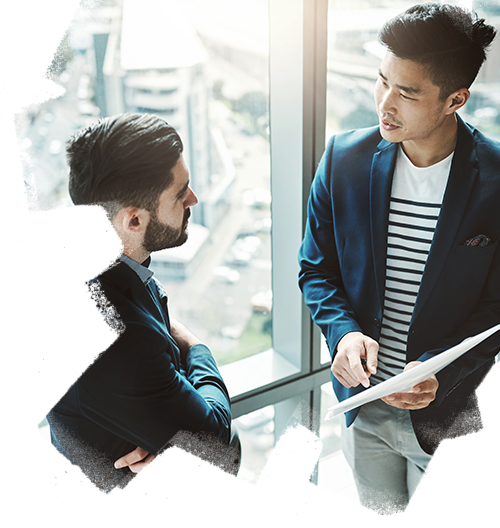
(405, 97)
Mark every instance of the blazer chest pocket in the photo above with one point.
(469, 270)
(476, 251)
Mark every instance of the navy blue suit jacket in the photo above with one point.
(142, 391)
(342, 266)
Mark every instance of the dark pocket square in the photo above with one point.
(478, 240)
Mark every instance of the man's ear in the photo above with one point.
(457, 99)
(134, 220)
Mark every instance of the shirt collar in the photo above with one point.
(144, 273)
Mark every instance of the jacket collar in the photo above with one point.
(108, 266)
(144, 273)
(463, 174)
(382, 171)
(131, 286)
(97, 258)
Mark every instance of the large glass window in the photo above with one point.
(219, 282)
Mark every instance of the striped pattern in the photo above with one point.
(411, 228)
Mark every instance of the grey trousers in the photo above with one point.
(213, 488)
(385, 456)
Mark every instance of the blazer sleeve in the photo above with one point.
(134, 391)
(319, 276)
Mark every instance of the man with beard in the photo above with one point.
(157, 385)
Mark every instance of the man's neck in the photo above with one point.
(434, 149)
(138, 254)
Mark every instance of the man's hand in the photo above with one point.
(347, 366)
(419, 397)
(183, 337)
(136, 460)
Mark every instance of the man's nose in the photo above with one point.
(387, 104)
(192, 198)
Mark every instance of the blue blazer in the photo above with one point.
(342, 266)
(142, 391)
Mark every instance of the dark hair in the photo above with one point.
(449, 41)
(121, 161)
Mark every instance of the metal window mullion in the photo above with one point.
(297, 87)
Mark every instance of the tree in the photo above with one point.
(52, 50)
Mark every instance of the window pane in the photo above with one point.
(329, 431)
(203, 66)
(257, 436)
(334, 473)
(219, 282)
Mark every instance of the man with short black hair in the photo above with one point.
(400, 256)
(157, 385)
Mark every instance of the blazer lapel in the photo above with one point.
(122, 275)
(380, 193)
(464, 169)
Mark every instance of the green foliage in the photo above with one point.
(52, 50)
(252, 103)
(255, 338)
(251, 110)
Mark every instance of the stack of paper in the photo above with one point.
(409, 378)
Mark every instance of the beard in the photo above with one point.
(160, 236)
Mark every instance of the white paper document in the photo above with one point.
(406, 380)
